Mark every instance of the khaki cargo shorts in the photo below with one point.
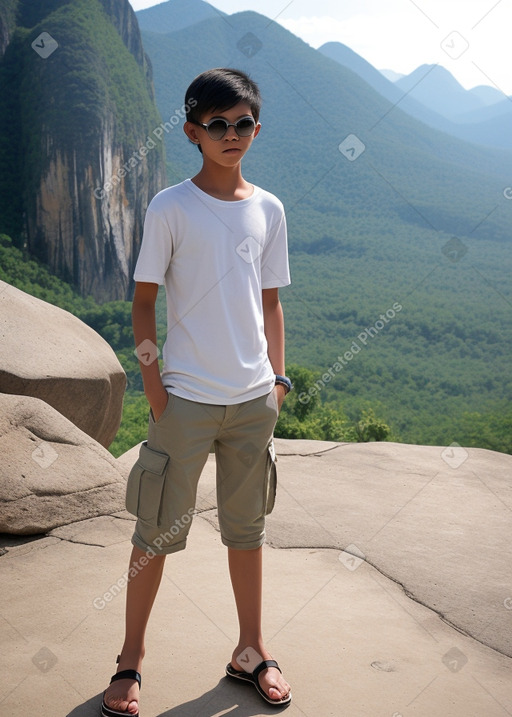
(162, 485)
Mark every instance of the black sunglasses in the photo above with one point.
(218, 126)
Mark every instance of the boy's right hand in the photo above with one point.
(158, 403)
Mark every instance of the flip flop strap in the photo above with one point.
(263, 666)
(127, 675)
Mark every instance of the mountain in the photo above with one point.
(489, 112)
(174, 15)
(390, 75)
(437, 89)
(487, 95)
(495, 132)
(7, 22)
(382, 211)
(351, 60)
(78, 160)
(348, 58)
(487, 125)
(323, 104)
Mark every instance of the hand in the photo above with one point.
(280, 394)
(158, 403)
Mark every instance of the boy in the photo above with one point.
(219, 246)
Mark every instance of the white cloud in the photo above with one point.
(403, 40)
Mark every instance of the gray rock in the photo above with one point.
(51, 473)
(50, 354)
(435, 519)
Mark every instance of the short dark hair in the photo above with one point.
(220, 89)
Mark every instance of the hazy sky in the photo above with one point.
(471, 38)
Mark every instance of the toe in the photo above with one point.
(275, 693)
(119, 702)
(273, 683)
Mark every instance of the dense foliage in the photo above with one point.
(417, 379)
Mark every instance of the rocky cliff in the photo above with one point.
(80, 141)
(7, 21)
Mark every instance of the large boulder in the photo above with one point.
(51, 473)
(50, 354)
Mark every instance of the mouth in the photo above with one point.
(231, 150)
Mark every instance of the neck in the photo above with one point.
(223, 182)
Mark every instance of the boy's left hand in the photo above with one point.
(280, 394)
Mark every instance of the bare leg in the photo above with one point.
(245, 568)
(142, 588)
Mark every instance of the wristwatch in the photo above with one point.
(284, 381)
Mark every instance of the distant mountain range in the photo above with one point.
(482, 115)
(406, 164)
(436, 88)
(174, 15)
(390, 75)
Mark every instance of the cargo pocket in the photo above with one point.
(270, 478)
(146, 484)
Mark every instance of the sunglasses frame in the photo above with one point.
(207, 125)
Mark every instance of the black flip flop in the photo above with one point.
(107, 711)
(252, 677)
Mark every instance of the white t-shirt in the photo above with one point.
(214, 258)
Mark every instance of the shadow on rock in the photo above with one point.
(235, 700)
(227, 698)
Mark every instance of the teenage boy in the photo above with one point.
(219, 246)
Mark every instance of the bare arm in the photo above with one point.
(274, 331)
(144, 331)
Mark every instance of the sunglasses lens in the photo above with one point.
(217, 129)
(245, 126)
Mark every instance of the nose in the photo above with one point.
(231, 132)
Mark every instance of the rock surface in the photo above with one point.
(50, 354)
(51, 473)
(376, 530)
(349, 642)
(435, 520)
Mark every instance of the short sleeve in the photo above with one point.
(275, 270)
(155, 251)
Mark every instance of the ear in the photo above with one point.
(190, 130)
(257, 129)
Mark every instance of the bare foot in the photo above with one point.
(271, 680)
(123, 695)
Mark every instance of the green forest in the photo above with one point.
(426, 373)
